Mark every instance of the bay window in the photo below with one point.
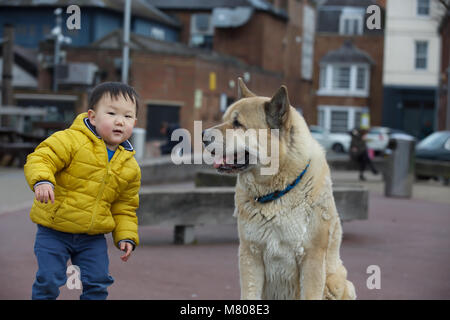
(344, 80)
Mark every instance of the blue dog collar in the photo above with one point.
(278, 194)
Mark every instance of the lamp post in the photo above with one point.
(126, 40)
(8, 62)
(59, 38)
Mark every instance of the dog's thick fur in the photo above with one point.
(289, 248)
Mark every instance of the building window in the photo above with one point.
(341, 78)
(351, 22)
(361, 78)
(352, 26)
(340, 119)
(358, 115)
(321, 121)
(157, 33)
(344, 80)
(423, 7)
(202, 31)
(323, 77)
(421, 54)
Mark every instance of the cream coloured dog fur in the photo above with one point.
(289, 248)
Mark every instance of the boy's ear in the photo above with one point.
(91, 116)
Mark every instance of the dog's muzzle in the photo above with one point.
(227, 164)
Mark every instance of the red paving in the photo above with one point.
(408, 239)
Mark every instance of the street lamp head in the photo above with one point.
(56, 31)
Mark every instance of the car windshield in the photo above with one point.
(375, 131)
(392, 131)
(433, 141)
(315, 129)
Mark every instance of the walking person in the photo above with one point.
(359, 152)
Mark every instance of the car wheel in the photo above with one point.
(338, 148)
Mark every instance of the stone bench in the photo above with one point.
(163, 170)
(16, 150)
(184, 208)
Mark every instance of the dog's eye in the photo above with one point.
(236, 124)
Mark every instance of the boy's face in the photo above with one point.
(114, 119)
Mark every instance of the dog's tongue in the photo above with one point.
(218, 162)
(222, 161)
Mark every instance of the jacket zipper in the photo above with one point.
(102, 188)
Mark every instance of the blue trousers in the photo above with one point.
(89, 252)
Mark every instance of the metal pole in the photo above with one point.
(57, 45)
(447, 122)
(8, 61)
(126, 39)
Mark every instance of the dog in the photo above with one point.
(289, 229)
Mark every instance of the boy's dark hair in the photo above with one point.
(115, 89)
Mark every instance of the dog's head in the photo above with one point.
(254, 133)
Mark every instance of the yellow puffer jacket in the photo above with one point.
(92, 195)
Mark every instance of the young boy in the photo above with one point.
(86, 182)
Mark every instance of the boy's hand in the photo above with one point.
(127, 247)
(44, 192)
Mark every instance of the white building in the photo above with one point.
(411, 64)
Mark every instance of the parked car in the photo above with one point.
(378, 138)
(435, 147)
(338, 142)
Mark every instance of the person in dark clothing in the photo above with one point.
(359, 152)
(426, 130)
(166, 130)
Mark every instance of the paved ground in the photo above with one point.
(407, 238)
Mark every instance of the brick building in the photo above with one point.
(273, 40)
(185, 55)
(349, 66)
(195, 79)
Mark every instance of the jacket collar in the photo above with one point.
(126, 144)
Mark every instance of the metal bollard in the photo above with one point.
(138, 142)
(399, 173)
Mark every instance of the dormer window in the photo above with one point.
(344, 79)
(351, 21)
(345, 72)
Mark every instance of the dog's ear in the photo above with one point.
(277, 108)
(243, 91)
